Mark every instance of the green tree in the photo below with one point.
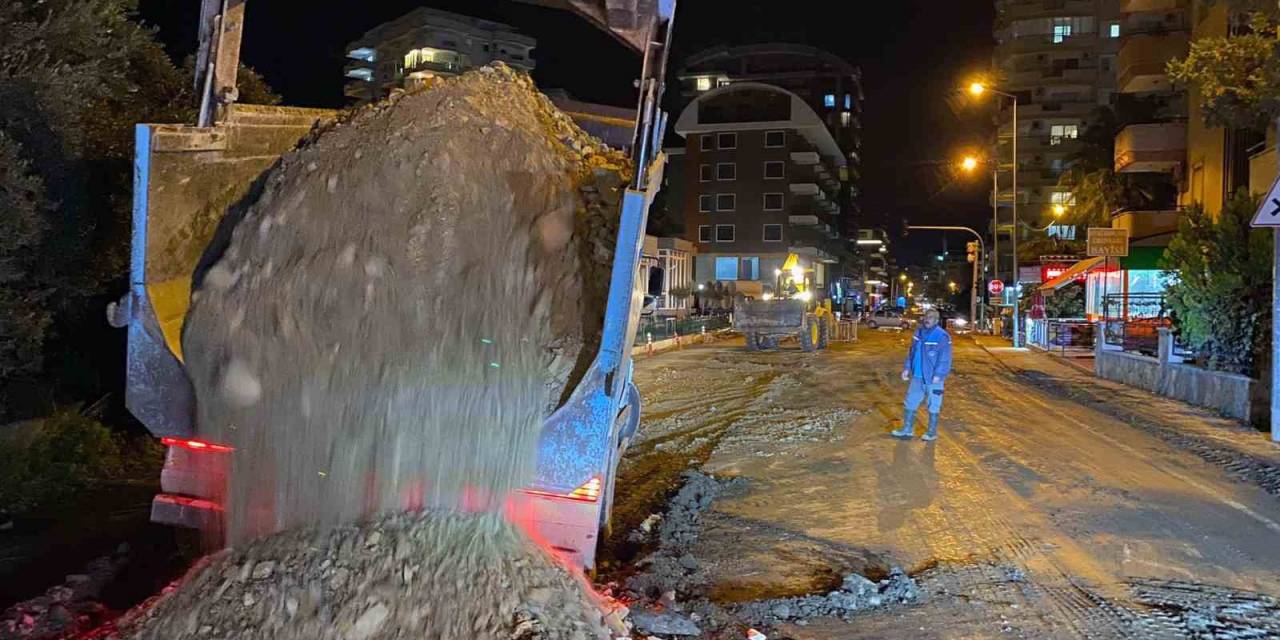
(1220, 295)
(1237, 76)
(75, 77)
(23, 318)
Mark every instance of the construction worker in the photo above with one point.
(927, 365)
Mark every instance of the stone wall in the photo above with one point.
(1232, 395)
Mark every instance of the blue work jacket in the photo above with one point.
(935, 345)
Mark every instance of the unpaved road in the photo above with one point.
(1053, 506)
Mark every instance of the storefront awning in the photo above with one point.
(1070, 275)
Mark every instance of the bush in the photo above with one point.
(51, 459)
(1220, 295)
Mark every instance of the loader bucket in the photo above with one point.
(189, 183)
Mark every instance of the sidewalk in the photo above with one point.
(1242, 451)
(1083, 363)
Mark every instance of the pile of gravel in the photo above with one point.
(856, 594)
(425, 576)
(409, 296)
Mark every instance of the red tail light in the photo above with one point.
(588, 492)
(196, 445)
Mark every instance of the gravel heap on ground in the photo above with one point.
(671, 568)
(412, 292)
(856, 594)
(424, 576)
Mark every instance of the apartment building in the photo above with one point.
(1059, 58)
(829, 85)
(760, 178)
(425, 43)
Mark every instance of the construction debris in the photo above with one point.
(430, 575)
(855, 595)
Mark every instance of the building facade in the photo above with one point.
(829, 85)
(770, 163)
(761, 179)
(426, 43)
(1059, 58)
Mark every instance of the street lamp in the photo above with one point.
(977, 89)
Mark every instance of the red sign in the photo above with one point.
(995, 287)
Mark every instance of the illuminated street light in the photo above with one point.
(870, 241)
(1059, 209)
(977, 88)
(777, 272)
(902, 277)
(969, 163)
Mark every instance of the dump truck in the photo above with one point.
(189, 179)
(784, 313)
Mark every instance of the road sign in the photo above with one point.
(1108, 242)
(1268, 214)
(995, 287)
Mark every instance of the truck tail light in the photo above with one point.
(196, 445)
(588, 492)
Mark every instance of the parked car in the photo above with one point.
(890, 318)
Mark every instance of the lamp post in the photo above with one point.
(977, 89)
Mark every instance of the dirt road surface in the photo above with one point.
(1054, 505)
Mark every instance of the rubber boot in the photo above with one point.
(907, 430)
(932, 433)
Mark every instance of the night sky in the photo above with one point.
(913, 54)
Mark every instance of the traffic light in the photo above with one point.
(972, 248)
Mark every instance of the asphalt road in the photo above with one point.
(1053, 505)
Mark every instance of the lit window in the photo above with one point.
(1115, 30)
(1064, 198)
(848, 101)
(704, 233)
(722, 82)
(706, 203)
(846, 118)
(704, 173)
(361, 74)
(726, 171)
(773, 233)
(775, 139)
(1060, 133)
(724, 233)
(368, 54)
(704, 84)
(726, 266)
(726, 202)
(727, 141)
(829, 101)
(1061, 231)
(1063, 28)
(775, 170)
(773, 202)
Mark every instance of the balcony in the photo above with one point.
(805, 158)
(1143, 224)
(1152, 6)
(1025, 9)
(1043, 43)
(1151, 148)
(1141, 63)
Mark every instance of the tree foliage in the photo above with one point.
(1220, 295)
(1237, 76)
(75, 77)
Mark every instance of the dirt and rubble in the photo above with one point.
(426, 575)
(413, 290)
(1053, 506)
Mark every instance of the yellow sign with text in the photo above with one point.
(1108, 242)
